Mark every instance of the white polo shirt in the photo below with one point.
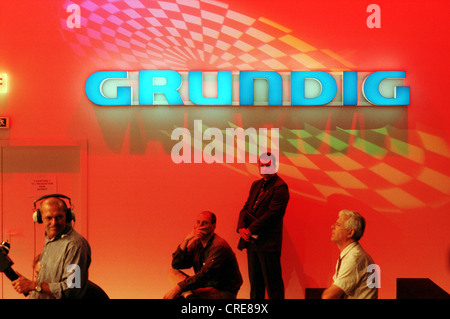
(351, 275)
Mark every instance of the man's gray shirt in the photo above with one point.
(64, 258)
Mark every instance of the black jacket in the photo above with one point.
(266, 219)
(214, 265)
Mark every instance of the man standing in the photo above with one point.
(351, 279)
(260, 226)
(66, 254)
(217, 274)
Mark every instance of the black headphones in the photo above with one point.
(70, 215)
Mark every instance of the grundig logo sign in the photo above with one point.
(168, 87)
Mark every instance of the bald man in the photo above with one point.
(217, 274)
(65, 259)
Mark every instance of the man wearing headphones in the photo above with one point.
(66, 256)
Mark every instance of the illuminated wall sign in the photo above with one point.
(159, 87)
(3, 83)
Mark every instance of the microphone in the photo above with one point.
(6, 263)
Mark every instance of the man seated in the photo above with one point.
(351, 279)
(217, 274)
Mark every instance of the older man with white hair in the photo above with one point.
(351, 279)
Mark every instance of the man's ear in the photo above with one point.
(351, 233)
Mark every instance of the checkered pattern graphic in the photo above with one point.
(188, 35)
(374, 166)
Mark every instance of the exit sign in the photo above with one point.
(3, 87)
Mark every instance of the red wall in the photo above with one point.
(389, 163)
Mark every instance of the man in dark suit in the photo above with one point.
(260, 226)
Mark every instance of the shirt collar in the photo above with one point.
(348, 248)
(210, 240)
(67, 231)
(267, 181)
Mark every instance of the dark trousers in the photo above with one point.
(175, 276)
(264, 271)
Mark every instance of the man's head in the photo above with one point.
(267, 165)
(53, 213)
(205, 225)
(349, 227)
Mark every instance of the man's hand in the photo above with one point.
(23, 285)
(188, 238)
(245, 234)
(332, 292)
(173, 293)
(199, 232)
